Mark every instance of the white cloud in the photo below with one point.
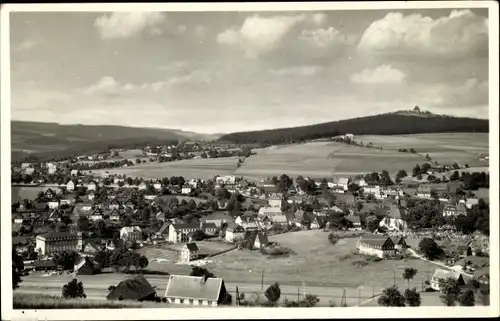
(200, 30)
(121, 25)
(380, 75)
(461, 33)
(469, 93)
(259, 35)
(324, 37)
(301, 71)
(26, 45)
(318, 18)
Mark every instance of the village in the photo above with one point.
(91, 225)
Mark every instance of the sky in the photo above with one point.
(220, 72)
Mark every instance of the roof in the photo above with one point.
(135, 288)
(58, 235)
(181, 226)
(482, 271)
(208, 226)
(262, 238)
(378, 240)
(343, 181)
(443, 274)
(477, 261)
(218, 215)
(234, 227)
(353, 218)
(194, 287)
(192, 247)
(131, 229)
(45, 263)
(279, 218)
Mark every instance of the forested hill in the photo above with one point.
(398, 123)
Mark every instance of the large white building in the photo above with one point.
(130, 233)
(195, 290)
(56, 242)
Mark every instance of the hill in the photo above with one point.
(397, 123)
(47, 139)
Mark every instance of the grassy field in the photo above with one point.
(190, 168)
(41, 301)
(324, 159)
(462, 148)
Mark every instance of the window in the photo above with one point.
(182, 300)
(191, 301)
(200, 302)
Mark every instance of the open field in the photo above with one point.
(462, 148)
(189, 168)
(206, 248)
(324, 159)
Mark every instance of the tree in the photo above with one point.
(73, 290)
(66, 259)
(455, 176)
(198, 235)
(466, 298)
(127, 221)
(143, 262)
(412, 297)
(430, 248)
(309, 301)
(391, 297)
(449, 291)
(17, 269)
(111, 288)
(408, 274)
(201, 271)
(428, 158)
(401, 174)
(83, 223)
(273, 293)
(416, 170)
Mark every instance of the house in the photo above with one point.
(85, 206)
(440, 274)
(91, 196)
(150, 197)
(49, 193)
(186, 190)
(74, 172)
(96, 215)
(318, 222)
(17, 218)
(178, 233)
(471, 202)
(399, 242)
(269, 211)
(53, 204)
(86, 266)
(70, 186)
(261, 240)
(250, 226)
(356, 222)
(157, 186)
(130, 233)
(482, 276)
(68, 199)
(195, 290)
(275, 202)
(114, 215)
(189, 251)
(114, 204)
(393, 224)
(344, 183)
(279, 220)
(135, 289)
(142, 186)
(114, 244)
(234, 233)
(91, 247)
(29, 171)
(45, 265)
(218, 218)
(424, 191)
(450, 210)
(56, 242)
(208, 228)
(92, 186)
(378, 246)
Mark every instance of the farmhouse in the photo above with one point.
(58, 242)
(189, 251)
(459, 209)
(440, 274)
(92, 186)
(96, 215)
(269, 211)
(208, 228)
(393, 224)
(381, 247)
(180, 232)
(157, 186)
(90, 248)
(279, 219)
(186, 190)
(482, 276)
(114, 204)
(142, 186)
(53, 204)
(356, 222)
(344, 182)
(424, 191)
(74, 172)
(135, 289)
(86, 266)
(261, 240)
(130, 233)
(399, 242)
(218, 218)
(195, 290)
(234, 233)
(70, 186)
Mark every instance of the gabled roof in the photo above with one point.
(262, 237)
(354, 219)
(443, 274)
(194, 287)
(377, 240)
(234, 227)
(136, 288)
(181, 226)
(279, 218)
(192, 247)
(59, 236)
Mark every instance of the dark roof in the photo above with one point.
(398, 240)
(194, 287)
(136, 289)
(378, 240)
(192, 247)
(208, 225)
(59, 235)
(234, 227)
(180, 226)
(262, 238)
(353, 218)
(45, 263)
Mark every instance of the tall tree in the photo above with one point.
(449, 291)
(73, 290)
(412, 297)
(391, 297)
(466, 298)
(273, 293)
(408, 274)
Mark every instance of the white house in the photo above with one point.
(194, 290)
(379, 246)
(130, 233)
(142, 186)
(96, 215)
(269, 211)
(275, 202)
(178, 233)
(261, 241)
(440, 274)
(70, 186)
(186, 190)
(189, 252)
(157, 186)
(234, 233)
(393, 224)
(92, 186)
(344, 183)
(53, 204)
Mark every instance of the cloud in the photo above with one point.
(461, 33)
(380, 75)
(26, 45)
(259, 35)
(200, 31)
(122, 25)
(470, 93)
(324, 37)
(318, 18)
(301, 71)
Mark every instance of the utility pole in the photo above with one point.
(237, 297)
(262, 281)
(394, 277)
(298, 294)
(359, 296)
(373, 290)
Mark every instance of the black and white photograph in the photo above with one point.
(212, 157)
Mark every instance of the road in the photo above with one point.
(96, 287)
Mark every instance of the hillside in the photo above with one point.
(397, 123)
(40, 139)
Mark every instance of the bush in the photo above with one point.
(332, 238)
(359, 264)
(276, 251)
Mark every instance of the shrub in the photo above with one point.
(332, 238)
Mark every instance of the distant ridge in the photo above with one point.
(400, 122)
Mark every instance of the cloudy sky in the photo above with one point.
(216, 72)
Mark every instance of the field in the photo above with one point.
(324, 159)
(462, 148)
(190, 168)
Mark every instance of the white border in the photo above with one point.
(258, 313)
